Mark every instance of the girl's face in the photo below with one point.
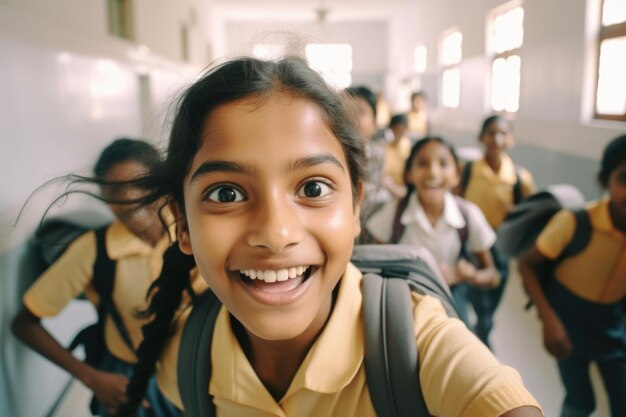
(616, 186)
(433, 172)
(269, 213)
(142, 221)
(498, 138)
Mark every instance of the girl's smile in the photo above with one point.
(269, 206)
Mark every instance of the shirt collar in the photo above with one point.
(506, 174)
(122, 243)
(328, 367)
(414, 212)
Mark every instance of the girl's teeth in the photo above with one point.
(274, 276)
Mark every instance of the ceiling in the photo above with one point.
(307, 9)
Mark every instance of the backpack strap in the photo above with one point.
(194, 356)
(465, 177)
(391, 360)
(398, 227)
(463, 231)
(517, 187)
(103, 281)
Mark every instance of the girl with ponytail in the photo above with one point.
(264, 179)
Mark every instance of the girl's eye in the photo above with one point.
(314, 189)
(225, 194)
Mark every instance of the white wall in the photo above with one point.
(553, 124)
(67, 88)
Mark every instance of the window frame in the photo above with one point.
(616, 30)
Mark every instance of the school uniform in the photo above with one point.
(395, 159)
(442, 239)
(587, 293)
(331, 380)
(494, 194)
(137, 266)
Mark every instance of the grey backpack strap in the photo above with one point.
(391, 361)
(194, 357)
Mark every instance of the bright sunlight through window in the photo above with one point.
(270, 51)
(451, 53)
(611, 81)
(419, 59)
(506, 37)
(333, 61)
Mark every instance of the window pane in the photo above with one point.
(611, 94)
(451, 48)
(419, 59)
(613, 11)
(498, 84)
(333, 61)
(508, 30)
(505, 82)
(451, 87)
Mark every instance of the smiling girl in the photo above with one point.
(264, 176)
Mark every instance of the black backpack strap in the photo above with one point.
(103, 281)
(517, 187)
(194, 356)
(463, 231)
(465, 177)
(391, 360)
(582, 235)
(397, 226)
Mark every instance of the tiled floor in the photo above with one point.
(516, 341)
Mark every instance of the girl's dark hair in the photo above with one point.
(490, 120)
(614, 154)
(234, 80)
(366, 94)
(123, 150)
(417, 147)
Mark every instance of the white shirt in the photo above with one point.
(442, 240)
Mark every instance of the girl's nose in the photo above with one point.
(276, 224)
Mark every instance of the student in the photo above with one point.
(136, 241)
(581, 307)
(432, 217)
(375, 193)
(396, 153)
(264, 172)
(419, 125)
(495, 184)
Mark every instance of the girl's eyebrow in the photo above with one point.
(229, 166)
(216, 166)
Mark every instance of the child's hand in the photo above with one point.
(555, 338)
(110, 390)
(466, 271)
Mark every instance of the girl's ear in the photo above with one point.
(182, 229)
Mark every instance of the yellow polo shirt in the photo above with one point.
(395, 159)
(598, 273)
(459, 376)
(138, 265)
(493, 192)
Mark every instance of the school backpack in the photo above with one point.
(53, 238)
(523, 225)
(390, 273)
(467, 173)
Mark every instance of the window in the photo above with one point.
(451, 53)
(121, 18)
(611, 83)
(505, 38)
(419, 59)
(333, 61)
